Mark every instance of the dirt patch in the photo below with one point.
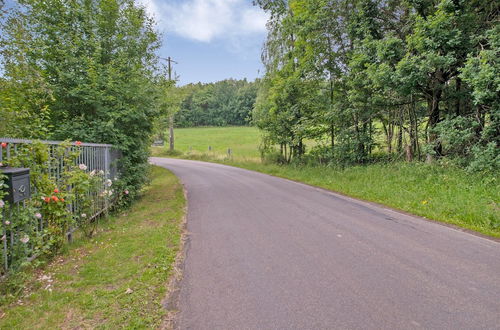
(171, 300)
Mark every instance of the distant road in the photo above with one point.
(268, 253)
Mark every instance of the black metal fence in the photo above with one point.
(100, 159)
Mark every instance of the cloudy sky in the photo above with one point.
(210, 39)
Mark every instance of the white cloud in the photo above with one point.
(207, 20)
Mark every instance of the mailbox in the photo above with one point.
(18, 180)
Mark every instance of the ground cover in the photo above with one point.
(116, 280)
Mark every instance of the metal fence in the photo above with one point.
(101, 158)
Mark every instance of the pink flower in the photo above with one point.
(3, 238)
(2, 203)
(126, 192)
(7, 222)
(25, 239)
(83, 167)
(38, 215)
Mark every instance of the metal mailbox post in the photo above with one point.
(18, 180)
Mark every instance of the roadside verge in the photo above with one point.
(449, 195)
(119, 278)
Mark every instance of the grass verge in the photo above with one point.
(445, 194)
(116, 280)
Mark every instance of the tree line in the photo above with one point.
(223, 103)
(414, 79)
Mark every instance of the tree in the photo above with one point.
(97, 60)
(371, 65)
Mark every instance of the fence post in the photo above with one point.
(107, 175)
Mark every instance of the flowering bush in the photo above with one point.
(58, 203)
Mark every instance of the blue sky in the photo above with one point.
(210, 39)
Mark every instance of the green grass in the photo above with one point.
(448, 195)
(445, 194)
(135, 250)
(243, 141)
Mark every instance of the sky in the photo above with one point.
(211, 40)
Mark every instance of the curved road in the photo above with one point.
(268, 253)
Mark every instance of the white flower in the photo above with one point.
(7, 222)
(25, 239)
(92, 173)
(38, 215)
(101, 172)
(110, 192)
(109, 182)
(2, 203)
(3, 238)
(83, 167)
(83, 215)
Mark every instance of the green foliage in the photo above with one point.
(423, 73)
(224, 103)
(40, 227)
(82, 70)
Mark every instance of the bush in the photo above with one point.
(57, 204)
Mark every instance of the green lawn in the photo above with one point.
(116, 280)
(445, 194)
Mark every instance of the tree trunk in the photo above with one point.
(400, 133)
(434, 118)
(457, 90)
(332, 137)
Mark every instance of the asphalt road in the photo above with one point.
(268, 253)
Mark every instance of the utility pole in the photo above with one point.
(171, 118)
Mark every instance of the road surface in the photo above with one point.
(268, 253)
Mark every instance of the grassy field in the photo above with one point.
(243, 141)
(445, 194)
(116, 280)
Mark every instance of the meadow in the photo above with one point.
(243, 142)
(438, 192)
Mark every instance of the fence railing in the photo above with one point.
(96, 158)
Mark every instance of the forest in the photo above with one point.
(223, 103)
(414, 80)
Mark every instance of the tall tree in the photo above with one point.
(97, 58)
